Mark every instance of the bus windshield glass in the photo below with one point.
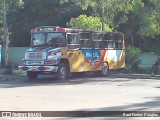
(38, 39)
(56, 39)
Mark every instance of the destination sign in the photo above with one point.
(46, 29)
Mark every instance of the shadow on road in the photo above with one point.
(116, 112)
(44, 80)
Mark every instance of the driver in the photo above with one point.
(35, 41)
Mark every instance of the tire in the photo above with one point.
(32, 75)
(154, 71)
(105, 70)
(62, 72)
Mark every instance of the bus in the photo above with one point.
(61, 51)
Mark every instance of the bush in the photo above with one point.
(132, 54)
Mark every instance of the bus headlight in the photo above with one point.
(22, 63)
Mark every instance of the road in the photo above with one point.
(117, 92)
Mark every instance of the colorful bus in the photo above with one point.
(61, 51)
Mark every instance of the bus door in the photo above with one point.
(73, 51)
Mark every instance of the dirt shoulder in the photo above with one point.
(12, 76)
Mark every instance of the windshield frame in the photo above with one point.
(45, 40)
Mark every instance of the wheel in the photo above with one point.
(63, 71)
(32, 75)
(154, 71)
(105, 70)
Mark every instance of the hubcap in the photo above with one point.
(62, 73)
(104, 70)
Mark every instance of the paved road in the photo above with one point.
(117, 92)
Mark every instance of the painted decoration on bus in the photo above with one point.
(114, 55)
(92, 57)
(52, 52)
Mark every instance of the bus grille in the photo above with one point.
(35, 55)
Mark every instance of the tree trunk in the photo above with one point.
(6, 34)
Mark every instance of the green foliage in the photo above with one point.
(138, 19)
(152, 44)
(11, 8)
(151, 24)
(33, 13)
(84, 22)
(132, 54)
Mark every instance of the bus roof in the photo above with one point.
(61, 29)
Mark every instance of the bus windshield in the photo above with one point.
(56, 39)
(38, 39)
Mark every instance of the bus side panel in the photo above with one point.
(75, 60)
(115, 59)
(79, 63)
(91, 60)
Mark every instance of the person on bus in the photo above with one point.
(35, 41)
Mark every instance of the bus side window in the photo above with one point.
(85, 40)
(72, 41)
(97, 40)
(108, 41)
(118, 41)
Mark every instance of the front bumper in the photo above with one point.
(39, 68)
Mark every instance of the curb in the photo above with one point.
(11, 77)
(15, 74)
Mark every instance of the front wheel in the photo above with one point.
(62, 72)
(105, 70)
(32, 75)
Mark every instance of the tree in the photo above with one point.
(121, 15)
(138, 19)
(84, 22)
(6, 34)
(34, 13)
(150, 26)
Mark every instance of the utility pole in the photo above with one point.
(102, 3)
(6, 34)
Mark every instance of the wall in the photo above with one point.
(15, 54)
(147, 60)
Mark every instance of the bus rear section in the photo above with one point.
(97, 51)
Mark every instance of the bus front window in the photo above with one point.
(56, 39)
(38, 39)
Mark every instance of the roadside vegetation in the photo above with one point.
(132, 61)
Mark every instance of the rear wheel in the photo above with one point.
(63, 71)
(32, 75)
(105, 70)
